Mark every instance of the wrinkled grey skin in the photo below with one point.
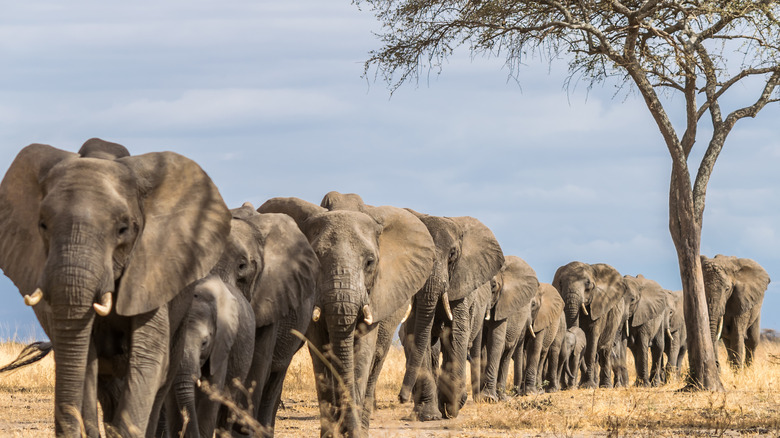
(647, 320)
(599, 290)
(571, 359)
(217, 333)
(513, 288)
(372, 260)
(735, 290)
(80, 226)
(270, 261)
(676, 341)
(543, 341)
(467, 256)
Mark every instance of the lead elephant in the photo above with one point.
(512, 287)
(735, 290)
(79, 232)
(593, 296)
(271, 262)
(371, 262)
(467, 256)
(219, 327)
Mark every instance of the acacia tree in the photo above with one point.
(697, 49)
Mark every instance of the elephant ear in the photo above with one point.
(289, 267)
(519, 286)
(609, 289)
(550, 307)
(750, 284)
(406, 252)
(296, 208)
(22, 254)
(226, 325)
(186, 224)
(480, 258)
(342, 201)
(652, 302)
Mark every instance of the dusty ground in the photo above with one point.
(749, 407)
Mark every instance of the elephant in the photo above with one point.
(543, 340)
(512, 288)
(102, 244)
(467, 256)
(735, 289)
(571, 359)
(646, 321)
(676, 342)
(598, 287)
(219, 326)
(371, 262)
(271, 262)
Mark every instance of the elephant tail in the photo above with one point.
(30, 354)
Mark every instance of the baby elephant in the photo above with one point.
(571, 358)
(217, 339)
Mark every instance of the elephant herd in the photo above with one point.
(157, 297)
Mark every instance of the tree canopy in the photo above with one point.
(697, 49)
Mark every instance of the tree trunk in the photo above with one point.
(686, 234)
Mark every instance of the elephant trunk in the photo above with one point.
(340, 320)
(75, 276)
(425, 303)
(184, 388)
(572, 308)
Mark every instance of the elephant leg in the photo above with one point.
(518, 357)
(503, 373)
(451, 382)
(476, 365)
(736, 344)
(553, 356)
(425, 393)
(365, 351)
(532, 358)
(640, 350)
(324, 381)
(260, 369)
(657, 357)
(147, 369)
(591, 352)
(673, 351)
(751, 342)
(605, 367)
(89, 410)
(496, 337)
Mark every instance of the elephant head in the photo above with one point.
(646, 300)
(546, 308)
(371, 263)
(467, 256)
(269, 259)
(582, 286)
(80, 232)
(734, 287)
(513, 288)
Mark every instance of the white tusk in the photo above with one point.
(669, 333)
(104, 307)
(35, 298)
(315, 315)
(198, 382)
(584, 310)
(720, 329)
(627, 334)
(531, 329)
(406, 315)
(367, 316)
(487, 316)
(445, 299)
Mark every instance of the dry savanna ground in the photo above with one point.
(749, 407)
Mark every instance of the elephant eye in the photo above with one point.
(122, 230)
(370, 262)
(42, 226)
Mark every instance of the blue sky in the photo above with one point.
(268, 98)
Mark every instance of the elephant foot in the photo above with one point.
(502, 396)
(404, 396)
(551, 389)
(426, 412)
(589, 384)
(486, 397)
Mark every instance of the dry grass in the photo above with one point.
(749, 407)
